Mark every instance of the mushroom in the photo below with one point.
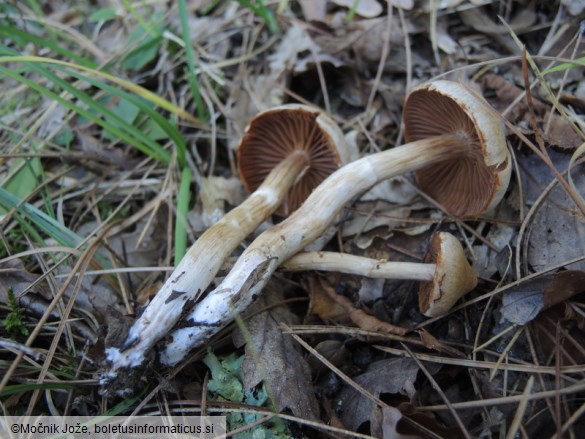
(285, 152)
(476, 180)
(462, 129)
(453, 276)
(294, 129)
(445, 274)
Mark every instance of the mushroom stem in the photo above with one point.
(204, 259)
(279, 243)
(361, 266)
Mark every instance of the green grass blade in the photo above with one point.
(16, 34)
(193, 83)
(579, 62)
(181, 220)
(131, 134)
(143, 105)
(44, 222)
(259, 8)
(127, 85)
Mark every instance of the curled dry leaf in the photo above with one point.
(565, 285)
(391, 417)
(366, 216)
(359, 317)
(321, 304)
(476, 19)
(15, 277)
(560, 331)
(486, 261)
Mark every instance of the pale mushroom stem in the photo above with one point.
(361, 266)
(203, 260)
(279, 243)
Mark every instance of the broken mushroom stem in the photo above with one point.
(284, 153)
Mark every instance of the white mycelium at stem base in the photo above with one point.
(285, 152)
(472, 133)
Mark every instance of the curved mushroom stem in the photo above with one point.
(279, 243)
(202, 262)
(361, 266)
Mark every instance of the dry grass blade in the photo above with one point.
(517, 421)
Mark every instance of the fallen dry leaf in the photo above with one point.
(394, 376)
(360, 317)
(560, 336)
(273, 358)
(565, 285)
(391, 417)
(477, 19)
(13, 275)
(321, 304)
(486, 261)
(365, 8)
(556, 233)
(525, 302)
(430, 342)
(314, 10)
(554, 129)
(296, 50)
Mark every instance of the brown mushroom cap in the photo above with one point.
(453, 276)
(274, 134)
(477, 181)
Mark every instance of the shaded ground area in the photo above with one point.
(119, 124)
